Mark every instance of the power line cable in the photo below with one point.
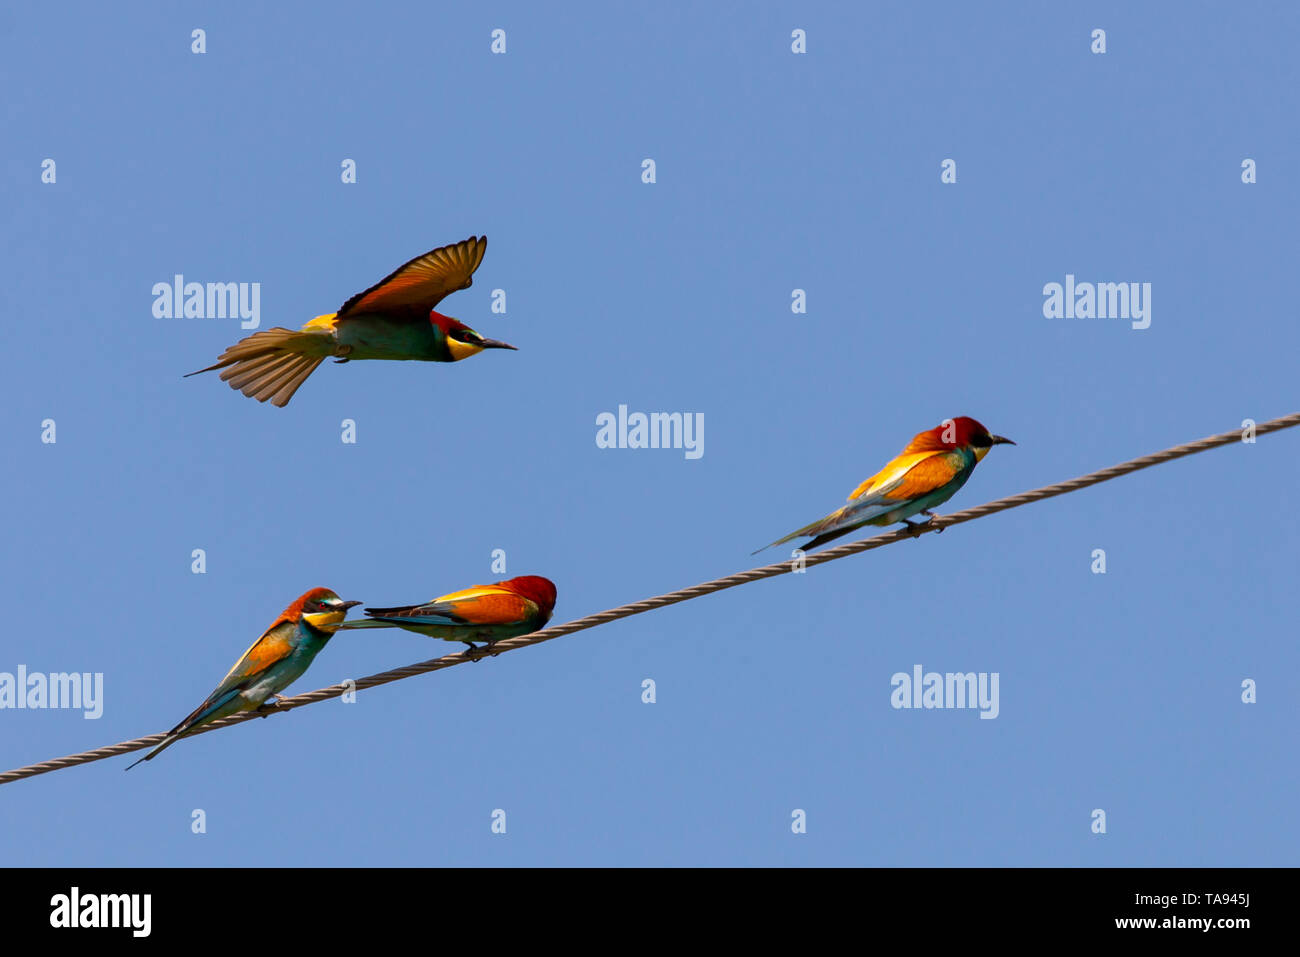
(937, 524)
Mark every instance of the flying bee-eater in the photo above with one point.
(935, 464)
(491, 613)
(274, 662)
(393, 319)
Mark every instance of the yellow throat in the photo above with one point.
(324, 620)
(461, 350)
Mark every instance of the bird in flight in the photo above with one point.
(393, 319)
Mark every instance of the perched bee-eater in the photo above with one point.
(273, 663)
(491, 613)
(927, 473)
(393, 319)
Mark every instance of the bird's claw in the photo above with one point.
(268, 708)
(916, 529)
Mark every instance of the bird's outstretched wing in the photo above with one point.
(415, 288)
(482, 605)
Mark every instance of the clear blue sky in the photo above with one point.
(775, 171)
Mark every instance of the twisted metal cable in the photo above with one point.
(937, 524)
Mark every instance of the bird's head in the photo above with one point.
(540, 591)
(321, 608)
(962, 432)
(462, 341)
(971, 434)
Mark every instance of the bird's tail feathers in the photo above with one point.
(167, 742)
(200, 715)
(363, 623)
(814, 528)
(273, 363)
(827, 537)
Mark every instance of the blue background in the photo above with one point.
(775, 171)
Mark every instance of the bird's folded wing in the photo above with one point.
(485, 605)
(415, 288)
(274, 646)
(907, 477)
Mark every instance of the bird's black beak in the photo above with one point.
(1000, 440)
(494, 344)
(349, 604)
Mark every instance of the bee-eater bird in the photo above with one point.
(935, 464)
(393, 319)
(491, 613)
(273, 662)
